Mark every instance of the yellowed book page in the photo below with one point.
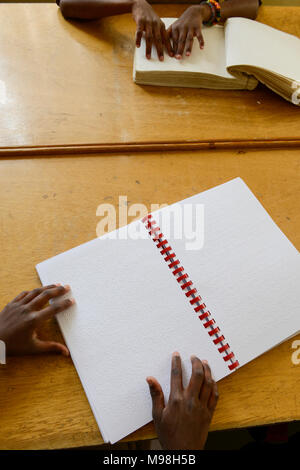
(254, 44)
(210, 60)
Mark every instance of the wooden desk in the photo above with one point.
(48, 205)
(68, 87)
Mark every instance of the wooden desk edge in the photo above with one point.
(58, 150)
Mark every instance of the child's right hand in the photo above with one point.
(155, 32)
(184, 421)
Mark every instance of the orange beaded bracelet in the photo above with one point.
(216, 12)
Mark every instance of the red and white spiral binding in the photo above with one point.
(190, 292)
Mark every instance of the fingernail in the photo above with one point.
(67, 287)
(161, 58)
(178, 56)
(66, 353)
(193, 356)
(58, 284)
(176, 354)
(188, 53)
(148, 57)
(148, 380)
(204, 361)
(171, 54)
(72, 301)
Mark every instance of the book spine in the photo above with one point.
(189, 290)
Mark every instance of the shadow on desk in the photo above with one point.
(285, 436)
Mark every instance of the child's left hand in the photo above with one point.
(20, 319)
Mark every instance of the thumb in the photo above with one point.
(50, 347)
(158, 401)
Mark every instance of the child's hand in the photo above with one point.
(21, 317)
(155, 32)
(182, 32)
(184, 422)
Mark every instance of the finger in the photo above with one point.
(53, 309)
(181, 44)
(47, 294)
(139, 34)
(149, 41)
(175, 35)
(158, 43)
(189, 43)
(158, 401)
(176, 376)
(167, 42)
(200, 38)
(35, 292)
(207, 384)
(20, 296)
(214, 397)
(197, 377)
(41, 347)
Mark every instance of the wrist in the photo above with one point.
(136, 2)
(205, 11)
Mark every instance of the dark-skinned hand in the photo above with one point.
(21, 318)
(155, 32)
(188, 26)
(183, 423)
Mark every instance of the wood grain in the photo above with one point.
(48, 205)
(65, 84)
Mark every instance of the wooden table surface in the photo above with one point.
(48, 205)
(67, 86)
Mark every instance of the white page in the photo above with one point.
(210, 60)
(130, 315)
(252, 43)
(248, 272)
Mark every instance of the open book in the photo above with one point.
(224, 287)
(236, 56)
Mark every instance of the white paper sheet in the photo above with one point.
(131, 314)
(248, 272)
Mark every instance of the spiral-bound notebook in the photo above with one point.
(211, 275)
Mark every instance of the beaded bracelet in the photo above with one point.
(215, 12)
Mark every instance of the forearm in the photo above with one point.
(243, 8)
(94, 9)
